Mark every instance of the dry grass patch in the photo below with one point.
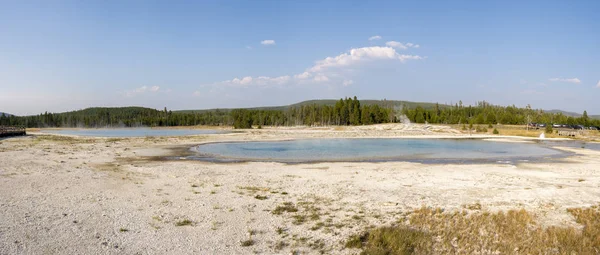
(64, 139)
(430, 231)
(285, 207)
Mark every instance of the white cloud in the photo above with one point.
(268, 42)
(412, 45)
(264, 81)
(361, 54)
(569, 80)
(401, 46)
(321, 78)
(303, 75)
(141, 90)
(598, 85)
(373, 38)
(320, 71)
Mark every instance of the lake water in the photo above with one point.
(419, 150)
(131, 132)
(576, 144)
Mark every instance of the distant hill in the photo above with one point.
(133, 110)
(5, 114)
(572, 114)
(329, 102)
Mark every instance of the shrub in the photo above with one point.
(247, 243)
(259, 197)
(496, 131)
(548, 129)
(490, 126)
(183, 223)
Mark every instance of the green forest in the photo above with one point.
(346, 111)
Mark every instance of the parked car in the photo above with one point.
(542, 125)
(556, 125)
(578, 127)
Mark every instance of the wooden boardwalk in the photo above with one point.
(6, 131)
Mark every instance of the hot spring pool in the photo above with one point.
(419, 150)
(131, 132)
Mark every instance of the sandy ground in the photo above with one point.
(62, 195)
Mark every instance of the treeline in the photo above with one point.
(117, 117)
(346, 111)
(485, 113)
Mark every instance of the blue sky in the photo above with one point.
(68, 55)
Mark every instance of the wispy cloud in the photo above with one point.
(373, 38)
(323, 71)
(268, 42)
(321, 78)
(141, 90)
(249, 47)
(568, 80)
(261, 81)
(401, 46)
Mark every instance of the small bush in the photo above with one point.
(549, 129)
(259, 197)
(247, 243)
(490, 126)
(496, 131)
(185, 222)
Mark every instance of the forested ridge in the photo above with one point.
(347, 111)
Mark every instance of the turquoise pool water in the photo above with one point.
(131, 132)
(422, 150)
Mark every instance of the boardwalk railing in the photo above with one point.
(11, 131)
